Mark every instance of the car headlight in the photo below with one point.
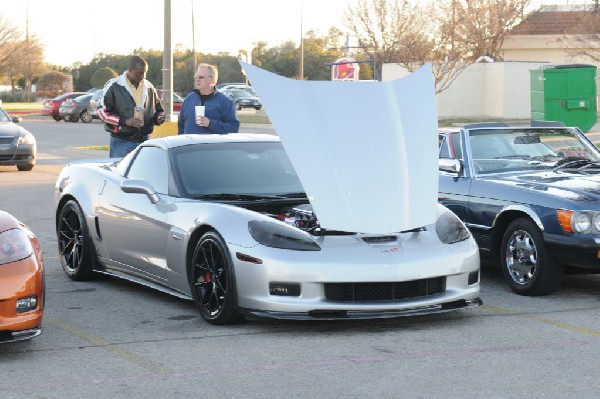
(579, 222)
(14, 246)
(450, 228)
(27, 138)
(278, 236)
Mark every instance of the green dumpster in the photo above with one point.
(565, 93)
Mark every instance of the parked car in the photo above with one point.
(177, 100)
(243, 99)
(52, 107)
(77, 108)
(17, 145)
(21, 281)
(224, 219)
(94, 102)
(530, 196)
(237, 86)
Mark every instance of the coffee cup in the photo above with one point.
(199, 111)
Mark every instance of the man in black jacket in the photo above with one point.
(130, 108)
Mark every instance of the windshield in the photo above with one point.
(4, 116)
(256, 168)
(509, 150)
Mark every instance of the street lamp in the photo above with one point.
(301, 67)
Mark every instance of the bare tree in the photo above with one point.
(478, 27)
(10, 36)
(583, 39)
(451, 34)
(28, 62)
(389, 30)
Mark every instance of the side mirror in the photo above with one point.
(139, 186)
(450, 165)
(16, 119)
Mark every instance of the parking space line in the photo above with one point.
(558, 324)
(114, 348)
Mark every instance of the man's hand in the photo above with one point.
(134, 122)
(202, 121)
(160, 119)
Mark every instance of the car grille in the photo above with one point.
(7, 140)
(370, 292)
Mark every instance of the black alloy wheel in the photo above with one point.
(212, 281)
(75, 248)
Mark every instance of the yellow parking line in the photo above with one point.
(542, 320)
(135, 359)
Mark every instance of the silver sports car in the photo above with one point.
(224, 220)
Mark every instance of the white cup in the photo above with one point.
(199, 111)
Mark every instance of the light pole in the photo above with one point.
(301, 67)
(167, 69)
(194, 38)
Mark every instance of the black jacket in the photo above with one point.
(117, 105)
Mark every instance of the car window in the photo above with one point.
(4, 116)
(456, 145)
(234, 168)
(150, 164)
(444, 150)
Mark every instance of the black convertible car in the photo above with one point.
(530, 196)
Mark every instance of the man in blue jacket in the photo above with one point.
(219, 111)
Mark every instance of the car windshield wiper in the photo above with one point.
(514, 156)
(293, 195)
(575, 163)
(234, 197)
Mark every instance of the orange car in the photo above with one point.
(21, 281)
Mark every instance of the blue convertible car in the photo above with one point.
(530, 196)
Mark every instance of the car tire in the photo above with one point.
(75, 247)
(85, 117)
(257, 108)
(73, 119)
(212, 280)
(57, 118)
(528, 267)
(25, 168)
(238, 106)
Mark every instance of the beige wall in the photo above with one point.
(483, 90)
(556, 49)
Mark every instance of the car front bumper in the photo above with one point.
(22, 154)
(576, 251)
(374, 285)
(21, 279)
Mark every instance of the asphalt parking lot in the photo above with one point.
(110, 338)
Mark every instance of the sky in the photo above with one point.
(75, 30)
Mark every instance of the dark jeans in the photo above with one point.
(119, 147)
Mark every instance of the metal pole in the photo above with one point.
(167, 70)
(194, 40)
(301, 67)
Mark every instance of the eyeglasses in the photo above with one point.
(201, 76)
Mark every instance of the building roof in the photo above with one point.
(556, 20)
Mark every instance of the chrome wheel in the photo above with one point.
(528, 266)
(521, 257)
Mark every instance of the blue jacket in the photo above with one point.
(219, 109)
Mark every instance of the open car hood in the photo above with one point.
(365, 152)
